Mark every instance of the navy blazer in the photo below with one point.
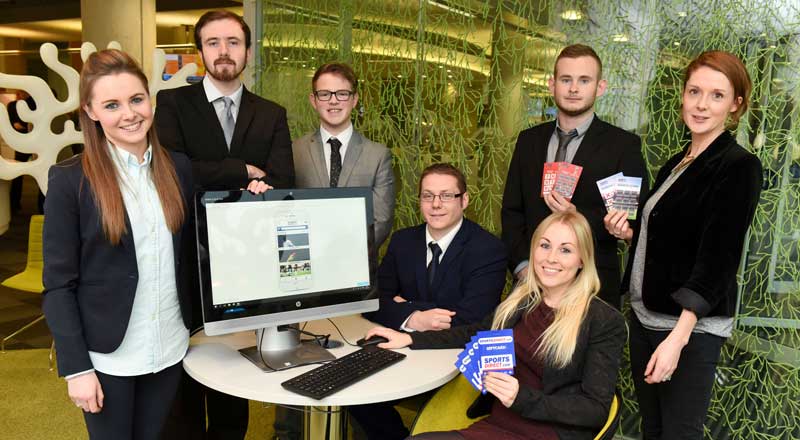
(469, 281)
(696, 231)
(575, 399)
(89, 285)
(187, 122)
(604, 151)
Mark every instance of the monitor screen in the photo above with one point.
(284, 256)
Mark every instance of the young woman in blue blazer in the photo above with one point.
(115, 235)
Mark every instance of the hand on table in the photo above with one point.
(396, 339)
(433, 319)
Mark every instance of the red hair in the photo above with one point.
(732, 67)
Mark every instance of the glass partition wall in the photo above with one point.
(456, 80)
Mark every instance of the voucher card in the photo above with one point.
(561, 177)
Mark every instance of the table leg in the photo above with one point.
(317, 419)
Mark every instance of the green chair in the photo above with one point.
(447, 410)
(30, 279)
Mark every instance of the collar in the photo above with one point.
(445, 241)
(582, 127)
(124, 158)
(213, 94)
(343, 137)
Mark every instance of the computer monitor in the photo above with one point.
(270, 261)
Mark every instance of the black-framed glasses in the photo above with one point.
(326, 95)
(444, 197)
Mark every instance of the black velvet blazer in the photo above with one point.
(575, 399)
(696, 231)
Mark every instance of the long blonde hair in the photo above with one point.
(557, 343)
(98, 166)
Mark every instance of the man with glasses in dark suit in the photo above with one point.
(445, 272)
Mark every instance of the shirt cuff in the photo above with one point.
(403, 325)
(73, 376)
(522, 265)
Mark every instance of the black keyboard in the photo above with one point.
(343, 372)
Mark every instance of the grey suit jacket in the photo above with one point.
(366, 163)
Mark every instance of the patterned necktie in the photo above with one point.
(563, 140)
(226, 120)
(336, 161)
(434, 265)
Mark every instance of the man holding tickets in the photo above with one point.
(579, 137)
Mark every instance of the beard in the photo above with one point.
(575, 112)
(221, 74)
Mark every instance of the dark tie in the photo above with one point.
(336, 161)
(437, 252)
(563, 140)
(226, 120)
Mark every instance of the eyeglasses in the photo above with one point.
(326, 95)
(444, 197)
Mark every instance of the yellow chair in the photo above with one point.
(447, 410)
(30, 279)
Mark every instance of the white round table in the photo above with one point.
(215, 362)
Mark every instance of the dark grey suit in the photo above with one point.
(366, 163)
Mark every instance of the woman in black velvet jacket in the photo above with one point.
(568, 345)
(686, 252)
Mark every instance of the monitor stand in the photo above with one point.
(279, 348)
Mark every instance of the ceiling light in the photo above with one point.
(571, 14)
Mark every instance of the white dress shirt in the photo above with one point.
(343, 137)
(156, 337)
(443, 243)
(213, 95)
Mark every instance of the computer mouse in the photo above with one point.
(374, 340)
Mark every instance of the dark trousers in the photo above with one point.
(227, 415)
(288, 423)
(134, 407)
(609, 287)
(380, 421)
(675, 409)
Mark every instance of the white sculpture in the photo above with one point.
(41, 141)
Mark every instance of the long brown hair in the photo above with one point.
(558, 341)
(98, 166)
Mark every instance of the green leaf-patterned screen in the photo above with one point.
(456, 80)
